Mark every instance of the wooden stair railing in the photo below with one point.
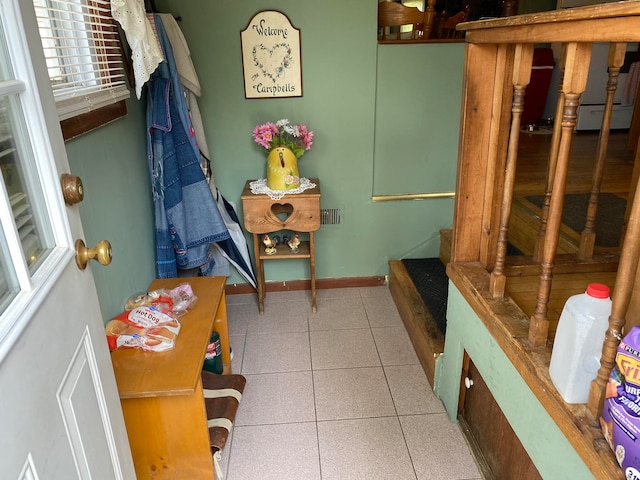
(577, 59)
(498, 63)
(587, 239)
(615, 61)
(496, 72)
(551, 166)
(523, 60)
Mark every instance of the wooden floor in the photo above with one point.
(534, 152)
(530, 180)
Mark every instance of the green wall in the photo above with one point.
(112, 162)
(417, 96)
(348, 83)
(339, 73)
(542, 439)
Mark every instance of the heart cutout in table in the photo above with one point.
(282, 210)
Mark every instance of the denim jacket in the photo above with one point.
(186, 215)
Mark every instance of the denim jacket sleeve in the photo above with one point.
(186, 214)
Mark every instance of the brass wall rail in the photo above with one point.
(412, 196)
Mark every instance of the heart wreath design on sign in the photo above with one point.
(272, 62)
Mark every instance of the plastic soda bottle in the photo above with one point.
(575, 358)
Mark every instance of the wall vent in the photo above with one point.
(330, 216)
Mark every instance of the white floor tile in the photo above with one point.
(238, 317)
(236, 342)
(275, 452)
(364, 449)
(272, 398)
(381, 311)
(352, 393)
(438, 448)
(281, 317)
(278, 352)
(394, 346)
(343, 349)
(411, 392)
(339, 314)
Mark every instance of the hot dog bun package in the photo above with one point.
(143, 327)
(150, 321)
(177, 300)
(620, 420)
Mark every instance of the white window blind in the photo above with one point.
(83, 54)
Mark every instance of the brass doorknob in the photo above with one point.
(101, 252)
(72, 189)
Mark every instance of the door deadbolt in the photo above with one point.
(101, 252)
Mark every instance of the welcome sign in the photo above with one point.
(271, 58)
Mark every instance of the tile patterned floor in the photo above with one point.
(335, 395)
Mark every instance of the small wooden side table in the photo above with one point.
(299, 212)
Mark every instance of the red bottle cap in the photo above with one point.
(598, 290)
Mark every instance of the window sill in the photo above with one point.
(86, 122)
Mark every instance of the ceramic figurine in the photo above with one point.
(269, 245)
(294, 243)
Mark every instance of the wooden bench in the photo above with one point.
(162, 393)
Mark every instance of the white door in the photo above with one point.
(60, 415)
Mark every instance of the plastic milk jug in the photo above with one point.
(575, 358)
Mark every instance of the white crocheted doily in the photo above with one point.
(260, 186)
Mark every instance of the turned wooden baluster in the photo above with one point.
(523, 59)
(574, 83)
(621, 297)
(588, 238)
(429, 18)
(551, 166)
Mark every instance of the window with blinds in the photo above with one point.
(83, 53)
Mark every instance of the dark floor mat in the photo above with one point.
(430, 279)
(609, 218)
